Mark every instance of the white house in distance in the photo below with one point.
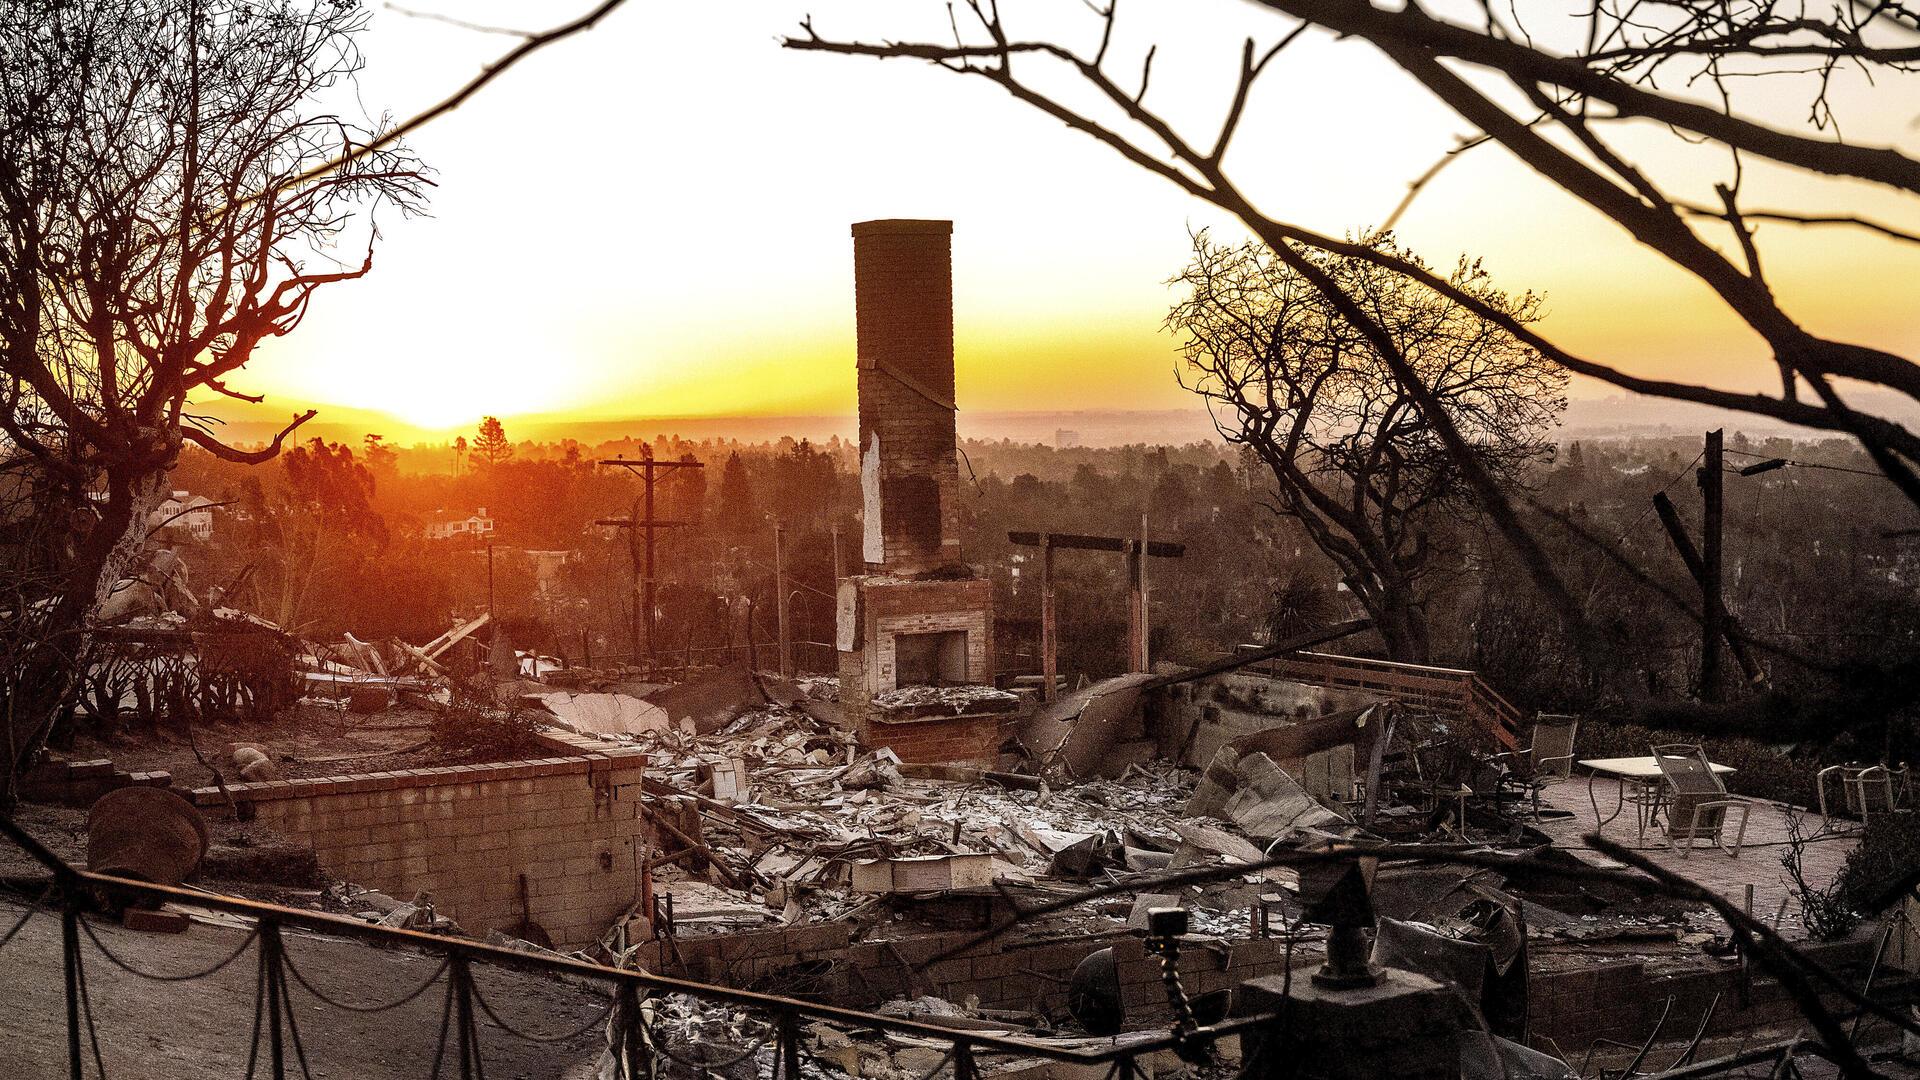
(184, 512)
(476, 526)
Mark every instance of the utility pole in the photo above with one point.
(1706, 564)
(780, 594)
(641, 542)
(1049, 662)
(489, 580)
(1712, 476)
(837, 569)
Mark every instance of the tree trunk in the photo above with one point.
(48, 670)
(1399, 618)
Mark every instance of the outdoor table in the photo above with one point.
(1640, 774)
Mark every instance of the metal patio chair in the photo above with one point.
(1867, 789)
(1698, 804)
(1548, 758)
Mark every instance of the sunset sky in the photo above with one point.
(652, 219)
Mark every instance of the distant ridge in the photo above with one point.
(1093, 427)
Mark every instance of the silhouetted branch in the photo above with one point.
(533, 43)
(244, 457)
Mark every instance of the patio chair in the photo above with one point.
(1548, 758)
(1868, 789)
(1450, 773)
(1698, 803)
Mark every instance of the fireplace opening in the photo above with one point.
(937, 659)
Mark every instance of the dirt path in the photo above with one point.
(200, 1029)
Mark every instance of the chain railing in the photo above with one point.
(635, 1045)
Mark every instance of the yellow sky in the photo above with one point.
(653, 219)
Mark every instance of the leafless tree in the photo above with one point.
(1351, 455)
(1639, 61)
(175, 185)
(157, 223)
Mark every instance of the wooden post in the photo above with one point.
(838, 570)
(1696, 566)
(1143, 660)
(1711, 477)
(1049, 633)
(780, 598)
(634, 617)
(1136, 551)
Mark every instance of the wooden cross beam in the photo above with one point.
(1137, 657)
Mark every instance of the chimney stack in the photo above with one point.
(910, 479)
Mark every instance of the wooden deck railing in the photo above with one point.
(1450, 691)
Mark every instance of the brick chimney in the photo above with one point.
(903, 300)
(919, 616)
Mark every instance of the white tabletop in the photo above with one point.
(1639, 768)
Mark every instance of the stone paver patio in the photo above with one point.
(1758, 863)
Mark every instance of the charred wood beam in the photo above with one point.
(1159, 549)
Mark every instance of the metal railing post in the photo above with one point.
(276, 1005)
(70, 952)
(462, 976)
(789, 1047)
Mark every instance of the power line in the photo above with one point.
(1809, 465)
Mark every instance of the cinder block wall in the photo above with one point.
(467, 834)
(903, 301)
(1623, 1000)
(823, 961)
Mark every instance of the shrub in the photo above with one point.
(1827, 909)
(487, 733)
(1887, 857)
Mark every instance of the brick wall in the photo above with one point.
(572, 826)
(903, 300)
(957, 740)
(823, 961)
(1623, 1001)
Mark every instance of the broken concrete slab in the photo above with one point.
(711, 701)
(1256, 794)
(604, 714)
(1197, 837)
(1146, 902)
